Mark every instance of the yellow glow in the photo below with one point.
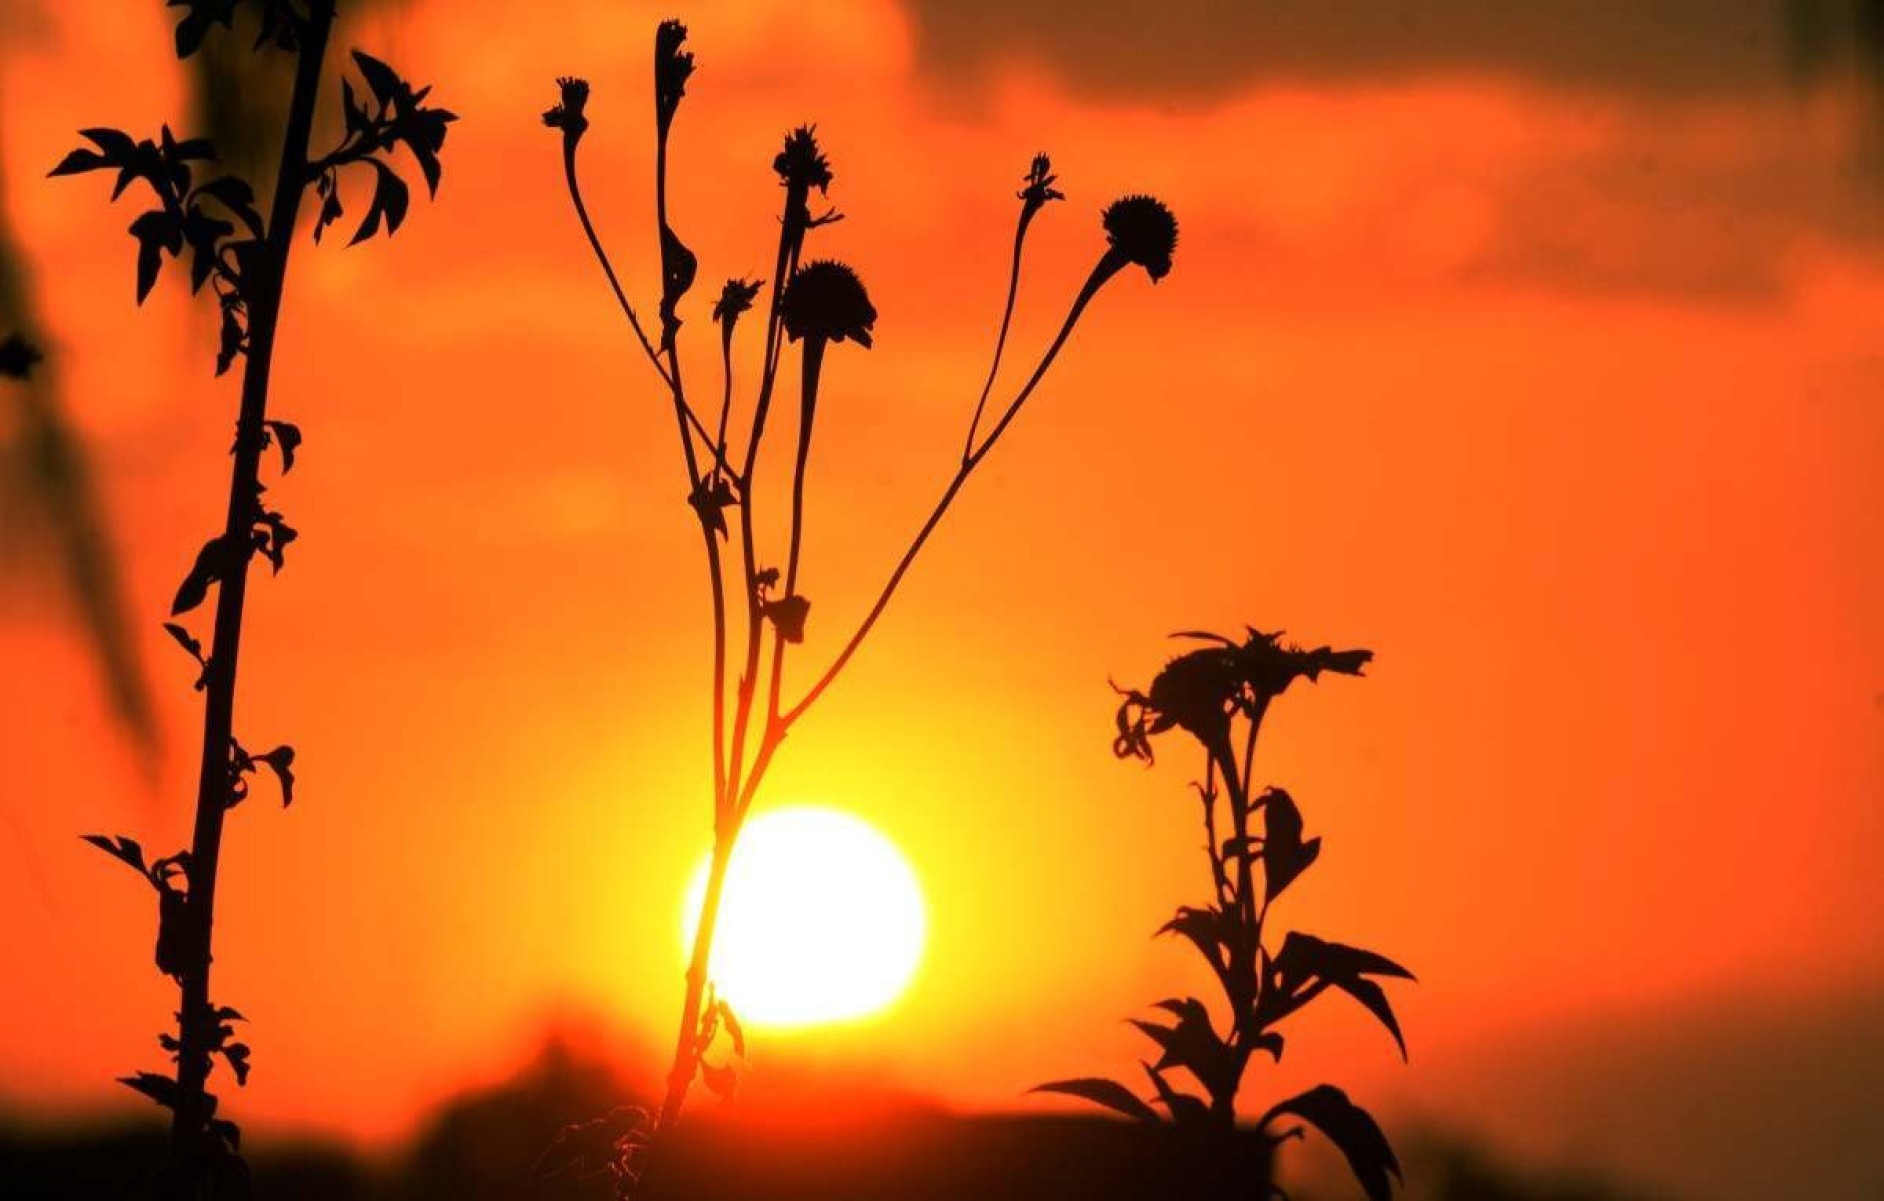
(821, 921)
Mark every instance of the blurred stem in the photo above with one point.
(196, 1025)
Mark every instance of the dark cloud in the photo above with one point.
(1177, 49)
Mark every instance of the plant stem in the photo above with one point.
(191, 1112)
(1000, 342)
(807, 415)
(1108, 266)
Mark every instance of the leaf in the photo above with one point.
(1107, 1093)
(1353, 1132)
(391, 199)
(1192, 1044)
(733, 1029)
(125, 850)
(214, 562)
(1285, 855)
(281, 762)
(156, 232)
(590, 1147)
(288, 438)
(1305, 960)
(1186, 1110)
(117, 145)
(788, 613)
(238, 1056)
(724, 1081)
(159, 1088)
(382, 79)
(78, 162)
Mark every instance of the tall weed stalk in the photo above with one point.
(1218, 694)
(210, 220)
(759, 601)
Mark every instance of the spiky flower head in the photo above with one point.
(825, 299)
(801, 164)
(568, 115)
(1144, 232)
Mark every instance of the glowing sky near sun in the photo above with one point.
(1544, 390)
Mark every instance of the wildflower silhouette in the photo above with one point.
(210, 220)
(1214, 694)
(18, 357)
(812, 305)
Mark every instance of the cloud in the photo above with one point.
(1199, 49)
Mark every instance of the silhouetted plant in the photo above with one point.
(210, 220)
(1219, 694)
(816, 304)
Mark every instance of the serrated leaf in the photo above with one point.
(1186, 1110)
(1352, 1130)
(1107, 1093)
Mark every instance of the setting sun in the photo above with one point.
(822, 920)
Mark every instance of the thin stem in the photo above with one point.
(808, 409)
(1107, 267)
(196, 1027)
(686, 1042)
(1000, 342)
(601, 256)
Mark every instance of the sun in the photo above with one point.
(822, 920)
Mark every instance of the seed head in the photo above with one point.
(825, 299)
(1144, 231)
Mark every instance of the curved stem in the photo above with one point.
(1107, 267)
(1000, 342)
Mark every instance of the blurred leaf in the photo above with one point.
(723, 1080)
(287, 436)
(1108, 1093)
(1186, 1110)
(391, 198)
(788, 613)
(1353, 1132)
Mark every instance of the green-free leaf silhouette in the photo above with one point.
(1108, 1093)
(1353, 1132)
(1218, 694)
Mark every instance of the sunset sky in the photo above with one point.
(1537, 348)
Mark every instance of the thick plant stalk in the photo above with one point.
(192, 1110)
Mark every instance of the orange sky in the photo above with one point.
(1566, 401)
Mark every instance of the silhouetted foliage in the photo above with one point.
(814, 305)
(210, 220)
(1219, 694)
